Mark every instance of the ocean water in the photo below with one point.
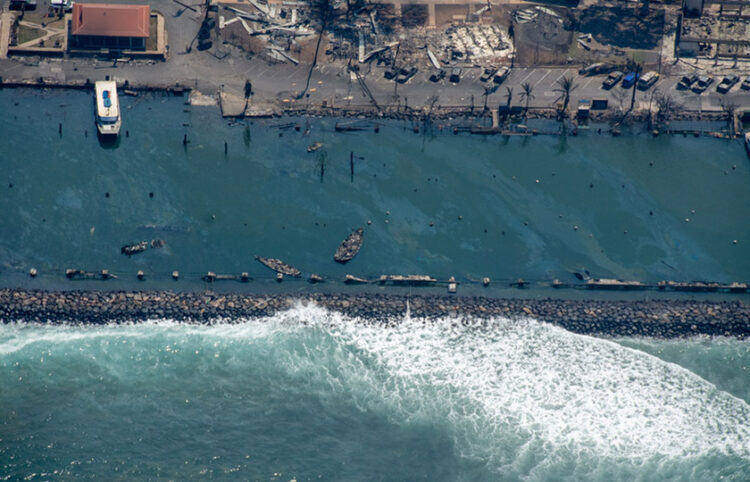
(312, 395)
(631, 207)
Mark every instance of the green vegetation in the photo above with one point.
(26, 34)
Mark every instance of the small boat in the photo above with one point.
(314, 147)
(107, 108)
(352, 126)
(349, 247)
(279, 266)
(158, 243)
(355, 280)
(135, 248)
(747, 143)
(409, 280)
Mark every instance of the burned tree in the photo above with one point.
(729, 108)
(636, 68)
(322, 14)
(666, 108)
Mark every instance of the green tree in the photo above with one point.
(527, 95)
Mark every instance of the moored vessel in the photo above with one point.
(108, 120)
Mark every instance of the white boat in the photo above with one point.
(107, 108)
(747, 143)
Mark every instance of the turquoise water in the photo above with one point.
(644, 208)
(311, 395)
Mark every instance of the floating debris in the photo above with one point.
(349, 247)
(78, 274)
(279, 266)
(131, 249)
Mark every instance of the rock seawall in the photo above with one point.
(657, 318)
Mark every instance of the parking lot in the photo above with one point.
(226, 67)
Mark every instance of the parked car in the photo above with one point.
(702, 84)
(437, 75)
(612, 80)
(501, 75)
(745, 84)
(727, 83)
(629, 80)
(406, 74)
(647, 80)
(65, 5)
(487, 74)
(687, 81)
(455, 75)
(22, 5)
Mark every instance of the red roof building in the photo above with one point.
(103, 25)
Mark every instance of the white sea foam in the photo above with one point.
(526, 386)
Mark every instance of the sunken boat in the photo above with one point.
(279, 266)
(349, 247)
(135, 248)
(408, 280)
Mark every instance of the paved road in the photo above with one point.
(209, 73)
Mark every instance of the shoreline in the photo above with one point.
(456, 116)
(651, 318)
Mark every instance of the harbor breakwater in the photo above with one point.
(656, 318)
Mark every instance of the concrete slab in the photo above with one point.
(6, 20)
(231, 105)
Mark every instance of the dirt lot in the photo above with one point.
(628, 27)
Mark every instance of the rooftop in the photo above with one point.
(108, 20)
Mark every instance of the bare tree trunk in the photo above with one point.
(314, 62)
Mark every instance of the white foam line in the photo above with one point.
(489, 381)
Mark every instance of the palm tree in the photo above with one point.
(248, 93)
(527, 94)
(509, 96)
(565, 86)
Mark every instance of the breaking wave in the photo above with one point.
(520, 399)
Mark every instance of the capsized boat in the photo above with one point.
(314, 147)
(107, 108)
(279, 266)
(135, 248)
(350, 246)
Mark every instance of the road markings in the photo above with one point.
(543, 76)
(561, 76)
(531, 71)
